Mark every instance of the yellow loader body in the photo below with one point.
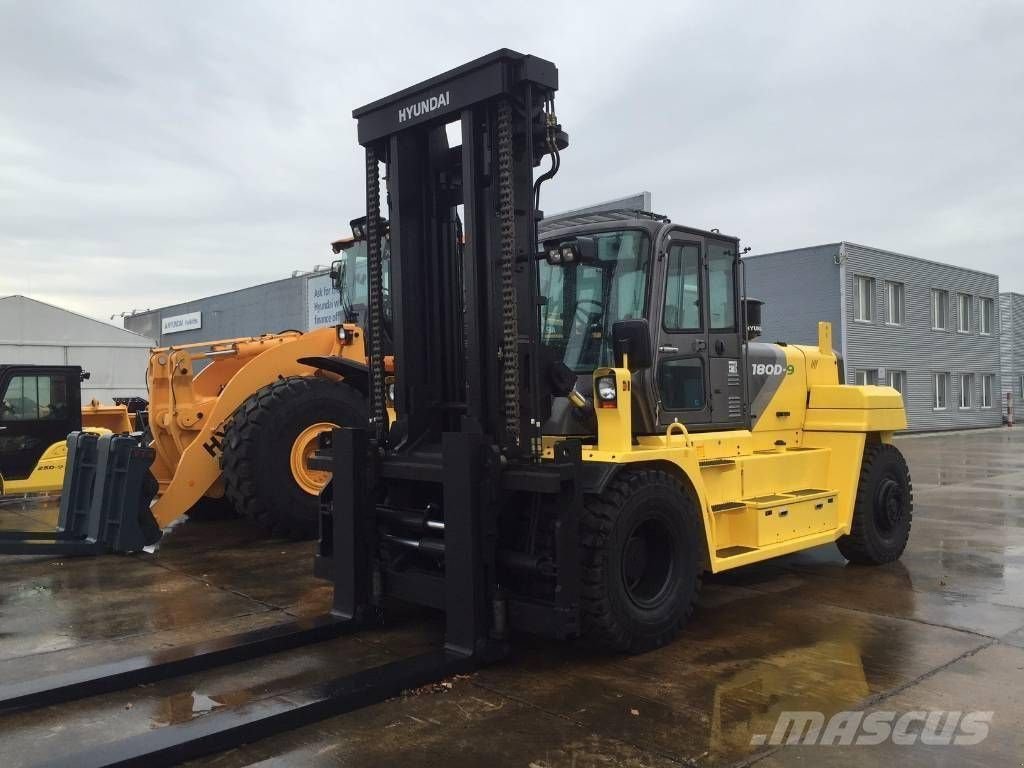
(189, 404)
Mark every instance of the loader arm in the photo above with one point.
(198, 468)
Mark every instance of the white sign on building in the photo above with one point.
(323, 303)
(192, 321)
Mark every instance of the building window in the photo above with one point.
(867, 376)
(966, 387)
(985, 314)
(1020, 381)
(894, 303)
(963, 312)
(987, 382)
(940, 310)
(897, 380)
(863, 299)
(940, 385)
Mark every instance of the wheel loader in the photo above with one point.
(581, 428)
(231, 423)
(236, 420)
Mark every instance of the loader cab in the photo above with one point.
(349, 276)
(39, 406)
(685, 282)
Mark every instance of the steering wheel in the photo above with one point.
(585, 316)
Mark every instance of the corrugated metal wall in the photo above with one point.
(805, 285)
(799, 288)
(1011, 348)
(914, 346)
(33, 332)
(268, 308)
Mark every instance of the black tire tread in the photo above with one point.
(599, 623)
(248, 425)
(857, 546)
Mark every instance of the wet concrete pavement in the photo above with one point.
(943, 629)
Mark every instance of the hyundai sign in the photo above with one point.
(192, 321)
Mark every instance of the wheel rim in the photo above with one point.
(890, 510)
(312, 481)
(647, 562)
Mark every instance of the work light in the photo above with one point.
(606, 391)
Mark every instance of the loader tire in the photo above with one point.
(209, 510)
(883, 511)
(262, 478)
(642, 561)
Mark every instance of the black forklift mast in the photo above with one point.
(465, 298)
(472, 391)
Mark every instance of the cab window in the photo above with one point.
(682, 288)
(32, 398)
(721, 287)
(681, 383)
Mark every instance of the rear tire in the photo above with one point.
(642, 561)
(258, 445)
(883, 512)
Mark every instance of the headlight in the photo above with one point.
(606, 388)
(389, 391)
(554, 256)
(567, 254)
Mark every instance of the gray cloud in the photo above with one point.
(151, 153)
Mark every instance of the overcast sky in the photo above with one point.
(153, 152)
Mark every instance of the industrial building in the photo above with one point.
(930, 330)
(301, 302)
(33, 332)
(1011, 349)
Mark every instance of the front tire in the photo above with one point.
(642, 561)
(884, 508)
(266, 442)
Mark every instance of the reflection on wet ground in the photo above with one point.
(942, 629)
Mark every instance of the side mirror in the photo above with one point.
(632, 338)
(752, 311)
(337, 271)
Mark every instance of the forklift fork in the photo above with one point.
(344, 550)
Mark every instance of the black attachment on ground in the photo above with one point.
(158, 665)
(104, 506)
(226, 729)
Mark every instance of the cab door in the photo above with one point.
(725, 345)
(38, 407)
(681, 368)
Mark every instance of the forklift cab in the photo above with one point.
(683, 281)
(39, 406)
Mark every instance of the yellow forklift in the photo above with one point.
(583, 429)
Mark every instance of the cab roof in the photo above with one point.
(621, 218)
